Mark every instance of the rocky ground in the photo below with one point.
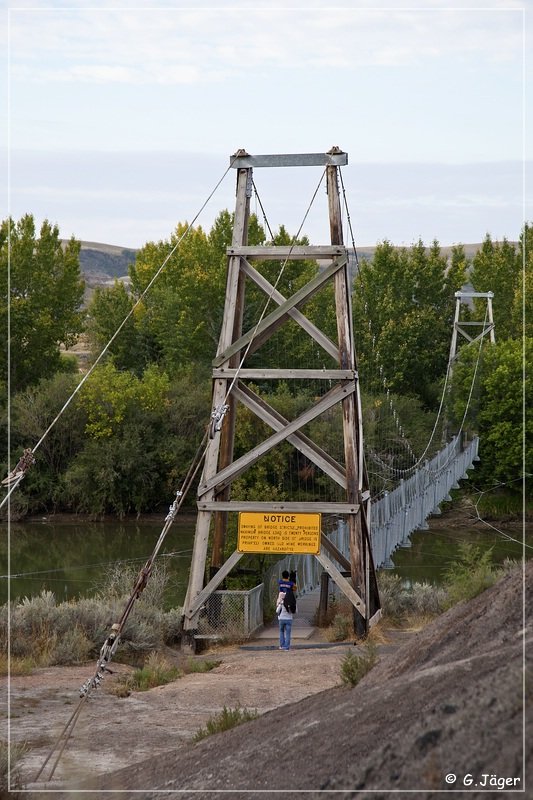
(448, 701)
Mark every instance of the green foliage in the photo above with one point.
(401, 602)
(496, 267)
(470, 574)
(49, 633)
(407, 295)
(157, 671)
(226, 719)
(46, 292)
(10, 756)
(205, 665)
(354, 666)
(497, 411)
(341, 628)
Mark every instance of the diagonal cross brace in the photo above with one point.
(276, 317)
(229, 473)
(303, 443)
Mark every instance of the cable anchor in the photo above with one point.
(26, 460)
(174, 507)
(217, 418)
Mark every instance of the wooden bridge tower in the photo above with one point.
(230, 389)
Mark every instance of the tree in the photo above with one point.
(496, 267)
(45, 296)
(404, 302)
(497, 409)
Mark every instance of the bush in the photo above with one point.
(157, 671)
(340, 629)
(400, 601)
(470, 575)
(226, 719)
(48, 633)
(354, 667)
(9, 774)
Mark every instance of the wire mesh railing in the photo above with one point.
(393, 518)
(232, 614)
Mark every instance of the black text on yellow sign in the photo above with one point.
(278, 533)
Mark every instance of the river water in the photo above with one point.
(72, 557)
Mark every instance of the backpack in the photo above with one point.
(290, 601)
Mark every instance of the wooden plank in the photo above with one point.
(277, 374)
(297, 507)
(245, 461)
(341, 582)
(198, 601)
(308, 326)
(335, 552)
(276, 317)
(303, 443)
(375, 618)
(238, 161)
(281, 253)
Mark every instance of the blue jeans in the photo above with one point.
(285, 626)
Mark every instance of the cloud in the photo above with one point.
(176, 46)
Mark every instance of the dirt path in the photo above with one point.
(115, 732)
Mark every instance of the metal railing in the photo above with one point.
(393, 518)
(234, 614)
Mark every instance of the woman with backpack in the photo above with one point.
(286, 608)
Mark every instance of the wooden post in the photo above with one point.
(323, 604)
(350, 408)
(227, 434)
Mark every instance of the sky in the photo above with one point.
(120, 118)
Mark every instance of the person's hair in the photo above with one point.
(284, 574)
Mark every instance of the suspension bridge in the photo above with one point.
(288, 371)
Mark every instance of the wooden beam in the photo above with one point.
(341, 582)
(279, 374)
(287, 505)
(237, 160)
(241, 464)
(328, 545)
(272, 321)
(282, 253)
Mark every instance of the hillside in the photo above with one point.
(449, 701)
(101, 263)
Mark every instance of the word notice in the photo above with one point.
(278, 533)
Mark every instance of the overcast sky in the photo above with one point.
(122, 116)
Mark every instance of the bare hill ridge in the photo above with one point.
(101, 263)
(449, 702)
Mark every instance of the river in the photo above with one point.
(71, 556)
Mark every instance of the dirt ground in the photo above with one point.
(448, 700)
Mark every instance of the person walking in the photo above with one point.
(286, 609)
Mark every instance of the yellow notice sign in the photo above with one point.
(278, 532)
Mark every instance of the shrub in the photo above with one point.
(399, 601)
(355, 666)
(340, 629)
(201, 666)
(48, 633)
(470, 575)
(226, 719)
(10, 779)
(157, 671)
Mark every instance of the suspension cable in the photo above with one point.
(118, 330)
